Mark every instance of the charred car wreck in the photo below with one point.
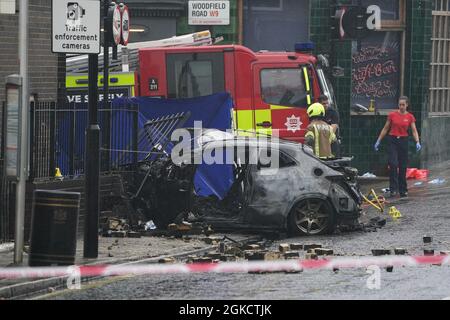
(255, 184)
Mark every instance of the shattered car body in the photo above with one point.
(301, 194)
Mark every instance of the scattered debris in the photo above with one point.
(428, 252)
(437, 181)
(324, 252)
(284, 247)
(445, 253)
(307, 247)
(208, 231)
(296, 246)
(427, 239)
(311, 256)
(183, 226)
(400, 251)
(202, 260)
(167, 260)
(252, 247)
(368, 175)
(149, 225)
(264, 255)
(118, 234)
(212, 240)
(381, 252)
(291, 255)
(228, 258)
(132, 234)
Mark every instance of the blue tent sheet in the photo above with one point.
(214, 112)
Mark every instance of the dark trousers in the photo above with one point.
(398, 162)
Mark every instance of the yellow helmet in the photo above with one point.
(316, 110)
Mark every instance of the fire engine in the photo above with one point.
(271, 90)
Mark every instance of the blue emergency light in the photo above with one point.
(304, 47)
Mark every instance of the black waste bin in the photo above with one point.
(54, 228)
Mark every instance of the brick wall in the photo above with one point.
(43, 64)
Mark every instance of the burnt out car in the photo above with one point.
(251, 183)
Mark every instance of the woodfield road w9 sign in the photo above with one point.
(76, 26)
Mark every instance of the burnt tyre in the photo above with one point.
(310, 217)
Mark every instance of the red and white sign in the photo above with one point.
(125, 25)
(116, 24)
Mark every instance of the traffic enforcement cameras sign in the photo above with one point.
(76, 26)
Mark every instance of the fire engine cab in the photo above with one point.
(271, 90)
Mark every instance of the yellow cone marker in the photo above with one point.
(394, 213)
(58, 174)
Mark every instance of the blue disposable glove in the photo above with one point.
(418, 146)
(377, 146)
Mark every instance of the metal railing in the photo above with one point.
(58, 139)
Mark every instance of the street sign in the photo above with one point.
(13, 125)
(76, 26)
(209, 12)
(125, 27)
(116, 24)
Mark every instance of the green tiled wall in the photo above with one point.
(417, 64)
(360, 132)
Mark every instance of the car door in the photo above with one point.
(271, 185)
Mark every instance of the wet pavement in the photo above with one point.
(425, 212)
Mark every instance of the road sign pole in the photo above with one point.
(23, 169)
(92, 165)
(106, 105)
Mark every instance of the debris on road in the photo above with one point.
(381, 252)
(167, 260)
(284, 247)
(296, 246)
(427, 239)
(400, 251)
(437, 181)
(307, 247)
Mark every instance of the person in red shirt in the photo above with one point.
(397, 126)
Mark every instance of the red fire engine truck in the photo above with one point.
(271, 90)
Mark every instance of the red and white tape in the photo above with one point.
(227, 267)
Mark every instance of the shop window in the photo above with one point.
(376, 70)
(195, 74)
(283, 87)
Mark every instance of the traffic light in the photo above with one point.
(337, 31)
(352, 22)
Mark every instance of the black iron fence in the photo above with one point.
(58, 139)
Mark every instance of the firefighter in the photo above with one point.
(332, 118)
(320, 135)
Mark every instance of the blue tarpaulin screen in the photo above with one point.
(214, 112)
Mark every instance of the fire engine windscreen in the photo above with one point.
(213, 111)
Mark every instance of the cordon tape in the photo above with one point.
(225, 267)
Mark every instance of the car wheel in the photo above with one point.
(312, 216)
